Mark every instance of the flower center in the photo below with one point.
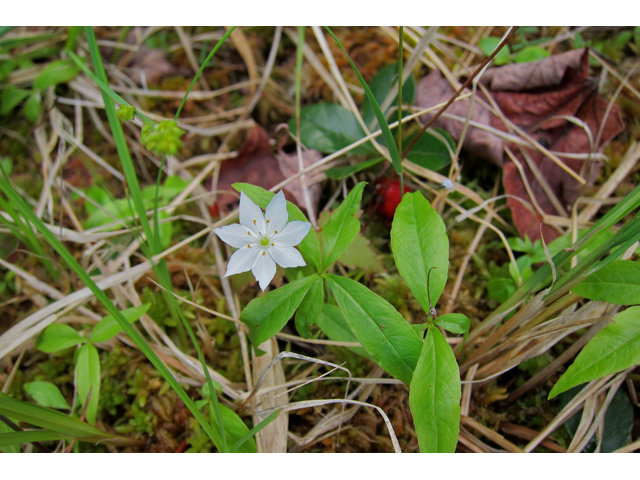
(264, 241)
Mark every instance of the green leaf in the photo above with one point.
(33, 107)
(454, 323)
(46, 395)
(9, 446)
(58, 337)
(59, 71)
(519, 245)
(47, 418)
(328, 128)
(500, 289)
(381, 330)
(88, 378)
(16, 438)
(342, 228)
(338, 173)
(310, 308)
(108, 327)
(434, 396)
(489, 44)
(380, 86)
(333, 325)
(613, 349)
(7, 165)
(310, 246)
(524, 267)
(360, 255)
(11, 98)
(531, 54)
(419, 242)
(618, 422)
(430, 152)
(249, 435)
(234, 429)
(266, 316)
(617, 283)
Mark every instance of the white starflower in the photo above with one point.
(263, 240)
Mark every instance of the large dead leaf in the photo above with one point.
(256, 164)
(534, 96)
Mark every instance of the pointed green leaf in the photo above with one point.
(13, 438)
(235, 429)
(266, 316)
(58, 336)
(454, 323)
(59, 71)
(33, 107)
(310, 308)
(613, 349)
(430, 151)
(342, 228)
(381, 330)
(11, 98)
(46, 394)
(88, 378)
(617, 283)
(419, 242)
(489, 44)
(108, 327)
(46, 418)
(434, 396)
(310, 246)
(338, 173)
(328, 128)
(333, 325)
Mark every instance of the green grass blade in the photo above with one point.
(104, 87)
(47, 418)
(255, 430)
(202, 67)
(15, 438)
(382, 121)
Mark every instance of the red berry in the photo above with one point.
(391, 197)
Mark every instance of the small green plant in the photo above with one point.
(421, 250)
(58, 337)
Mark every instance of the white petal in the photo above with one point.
(276, 213)
(250, 215)
(292, 234)
(236, 235)
(264, 269)
(287, 257)
(242, 260)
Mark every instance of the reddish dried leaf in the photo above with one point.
(532, 96)
(256, 164)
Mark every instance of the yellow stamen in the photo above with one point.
(267, 221)
(273, 244)
(248, 246)
(248, 233)
(264, 253)
(276, 231)
(254, 222)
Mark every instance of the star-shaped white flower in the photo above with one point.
(263, 240)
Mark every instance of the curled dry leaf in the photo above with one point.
(534, 96)
(256, 164)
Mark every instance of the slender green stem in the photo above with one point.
(204, 64)
(400, 59)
